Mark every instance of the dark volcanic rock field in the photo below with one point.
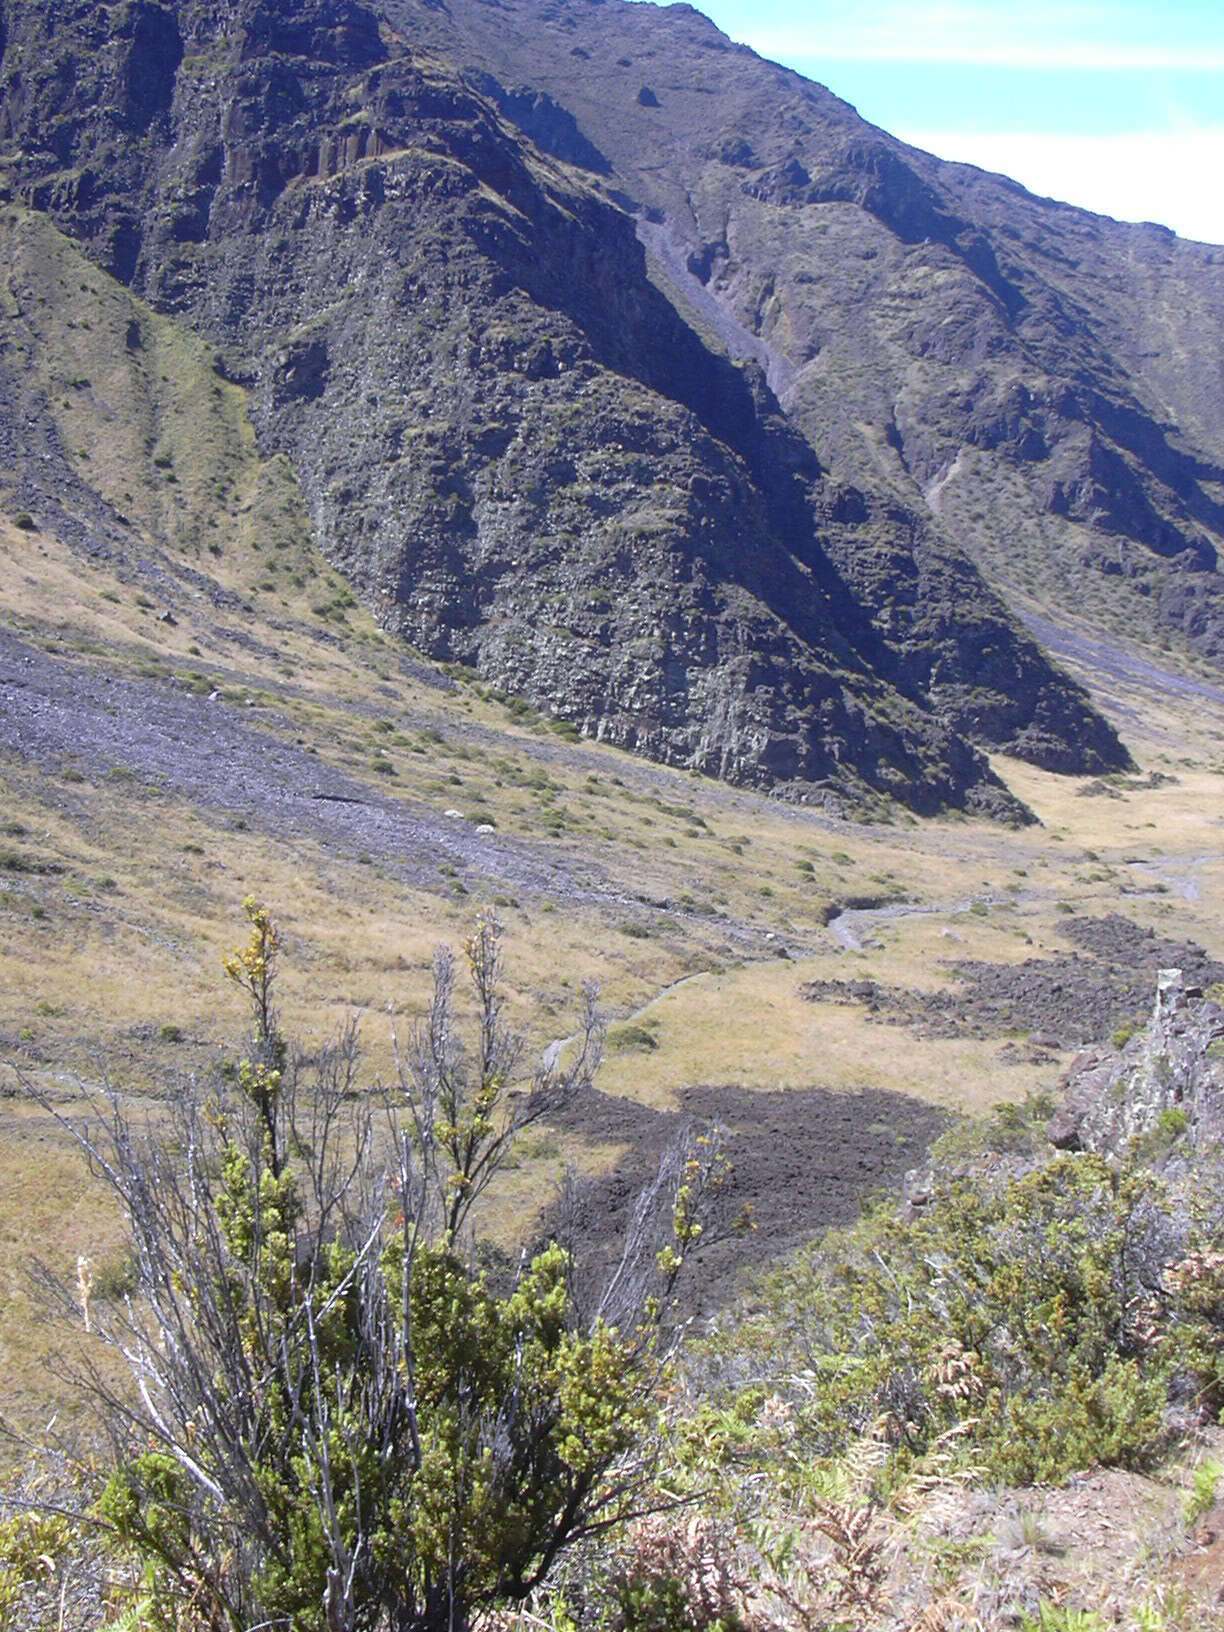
(1054, 1003)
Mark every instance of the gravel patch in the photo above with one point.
(55, 714)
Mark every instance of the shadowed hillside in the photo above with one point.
(519, 452)
(1041, 380)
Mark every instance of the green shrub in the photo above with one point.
(1040, 1320)
(1171, 1124)
(31, 1545)
(345, 1422)
(115, 1277)
(629, 1038)
(1062, 1618)
(1200, 1498)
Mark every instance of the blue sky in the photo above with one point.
(1118, 107)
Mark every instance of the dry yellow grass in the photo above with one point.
(140, 922)
(52, 1212)
(751, 1028)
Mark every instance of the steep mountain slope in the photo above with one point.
(934, 331)
(523, 456)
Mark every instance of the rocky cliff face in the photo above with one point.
(1169, 1076)
(521, 451)
(933, 330)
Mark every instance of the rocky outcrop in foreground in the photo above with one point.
(1169, 1076)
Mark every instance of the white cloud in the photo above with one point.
(803, 48)
(1170, 176)
(1084, 37)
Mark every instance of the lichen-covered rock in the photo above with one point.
(1175, 1064)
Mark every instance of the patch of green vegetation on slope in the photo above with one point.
(150, 429)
